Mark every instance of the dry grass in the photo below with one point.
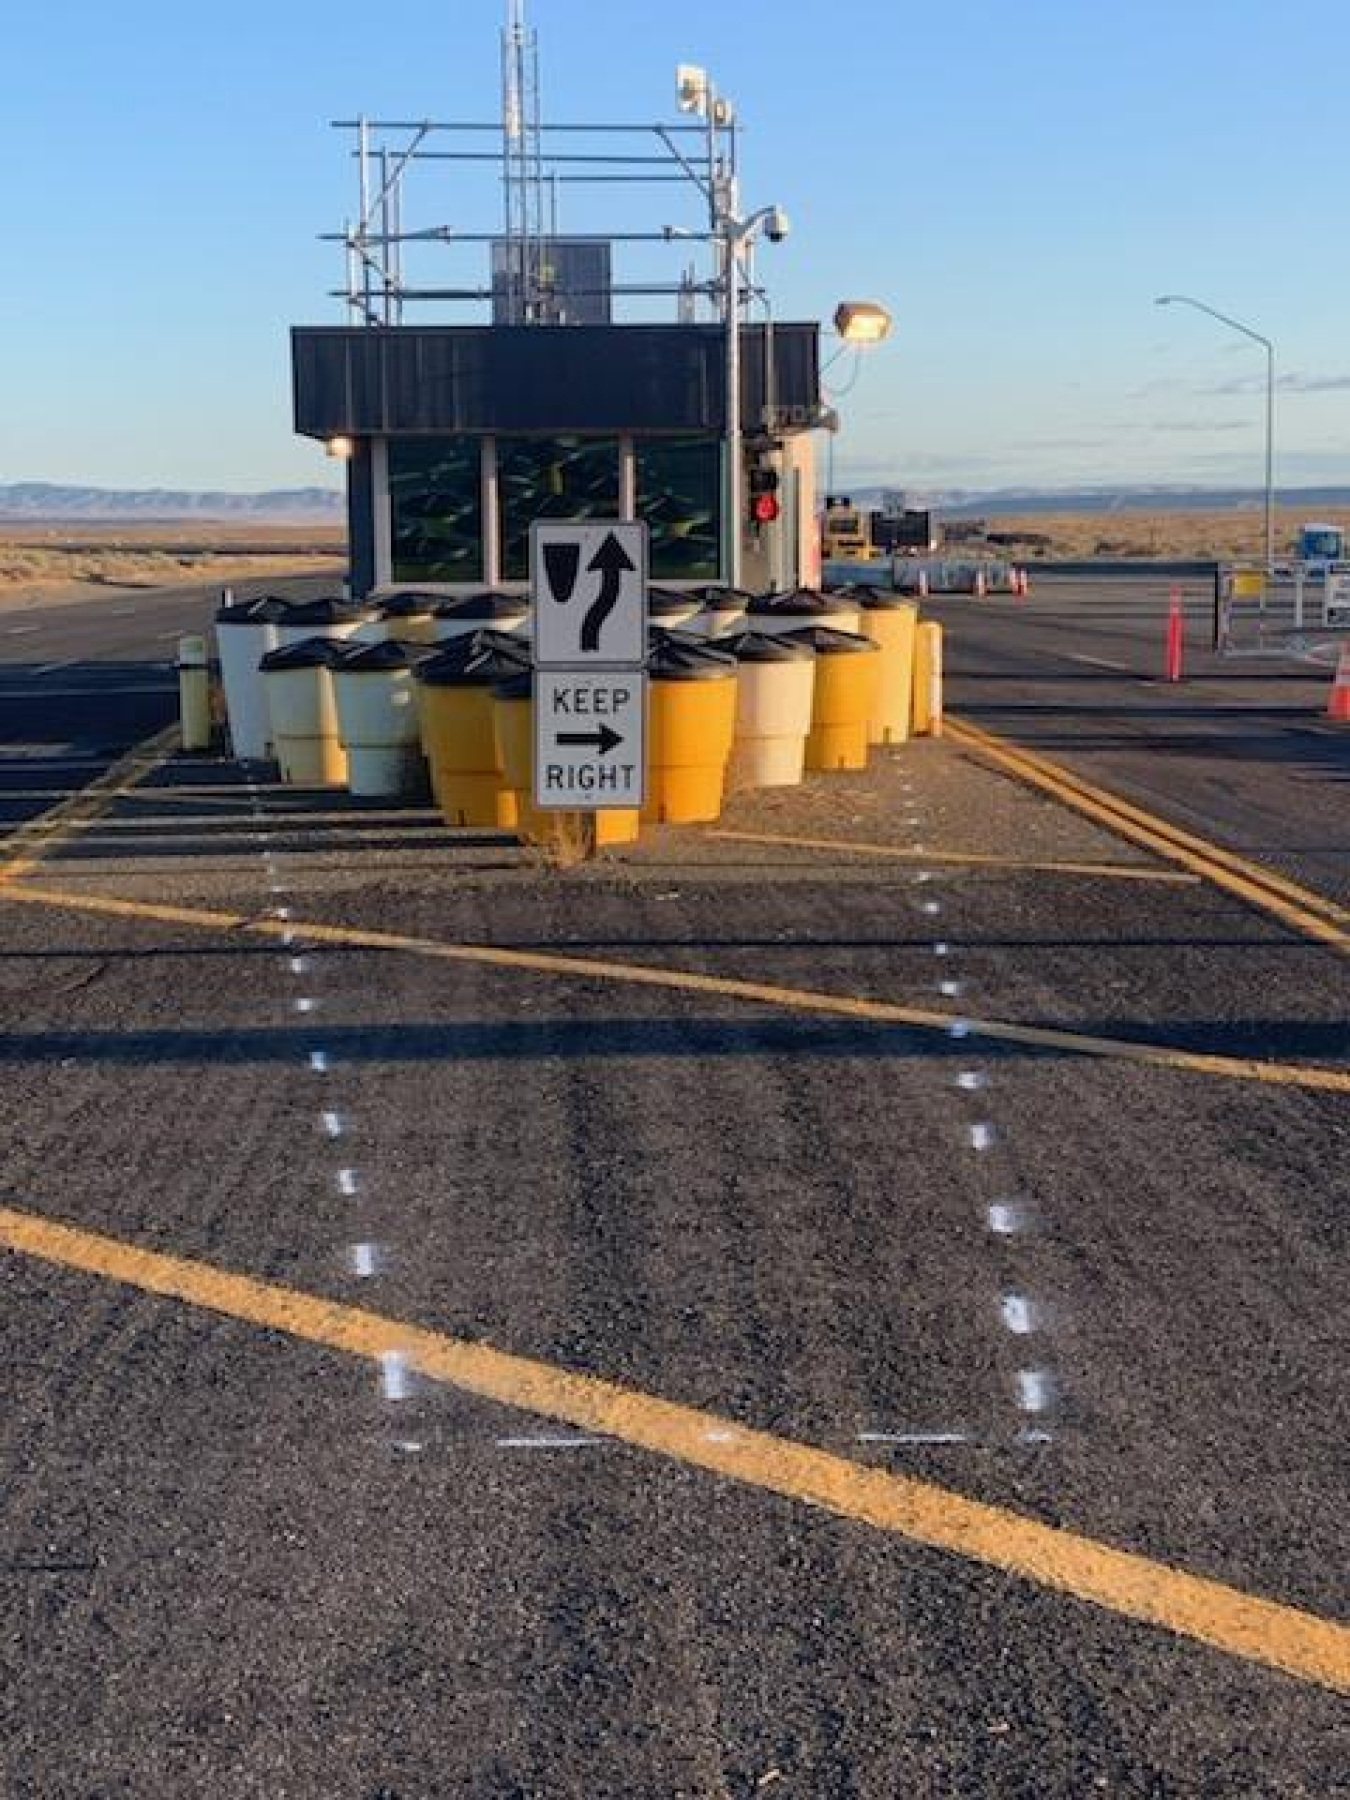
(44, 562)
(1231, 532)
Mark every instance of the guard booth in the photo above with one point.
(457, 437)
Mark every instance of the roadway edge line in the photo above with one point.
(1275, 1634)
(51, 828)
(1299, 909)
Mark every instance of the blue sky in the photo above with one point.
(1016, 182)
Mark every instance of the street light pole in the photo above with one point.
(1269, 348)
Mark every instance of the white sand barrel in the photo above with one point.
(298, 682)
(245, 631)
(488, 611)
(721, 610)
(377, 720)
(800, 609)
(328, 617)
(775, 682)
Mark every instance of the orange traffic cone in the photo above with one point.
(1338, 701)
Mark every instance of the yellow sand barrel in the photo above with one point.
(928, 679)
(800, 608)
(513, 725)
(455, 708)
(890, 621)
(847, 669)
(775, 683)
(298, 683)
(691, 719)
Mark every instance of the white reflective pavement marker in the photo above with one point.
(983, 1136)
(1007, 1218)
(914, 1437)
(971, 1079)
(395, 1376)
(548, 1443)
(318, 1061)
(348, 1182)
(1018, 1313)
(333, 1124)
(1035, 1390)
(367, 1259)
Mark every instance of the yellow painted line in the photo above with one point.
(791, 999)
(1262, 1631)
(1300, 909)
(26, 846)
(963, 858)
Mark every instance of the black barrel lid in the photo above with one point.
(825, 641)
(802, 602)
(764, 646)
(330, 610)
(663, 601)
(478, 659)
(713, 598)
(519, 685)
(675, 634)
(487, 605)
(407, 604)
(262, 609)
(673, 657)
(869, 598)
(368, 658)
(308, 653)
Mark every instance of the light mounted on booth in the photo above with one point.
(862, 321)
(343, 448)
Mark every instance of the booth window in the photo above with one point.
(551, 478)
(435, 509)
(679, 495)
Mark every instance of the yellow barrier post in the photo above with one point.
(928, 679)
(194, 694)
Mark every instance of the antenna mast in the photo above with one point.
(522, 169)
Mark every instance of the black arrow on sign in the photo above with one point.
(604, 739)
(611, 559)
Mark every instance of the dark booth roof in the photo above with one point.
(360, 381)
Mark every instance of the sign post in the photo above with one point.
(588, 583)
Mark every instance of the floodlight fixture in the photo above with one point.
(862, 321)
(341, 447)
(692, 87)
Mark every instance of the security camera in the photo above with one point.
(777, 225)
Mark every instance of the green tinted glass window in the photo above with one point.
(436, 509)
(679, 495)
(552, 478)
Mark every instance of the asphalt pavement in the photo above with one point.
(910, 1120)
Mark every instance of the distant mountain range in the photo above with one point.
(1101, 499)
(40, 500)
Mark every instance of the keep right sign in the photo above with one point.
(589, 730)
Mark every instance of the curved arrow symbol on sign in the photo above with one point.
(611, 559)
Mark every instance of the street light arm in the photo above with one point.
(1214, 313)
